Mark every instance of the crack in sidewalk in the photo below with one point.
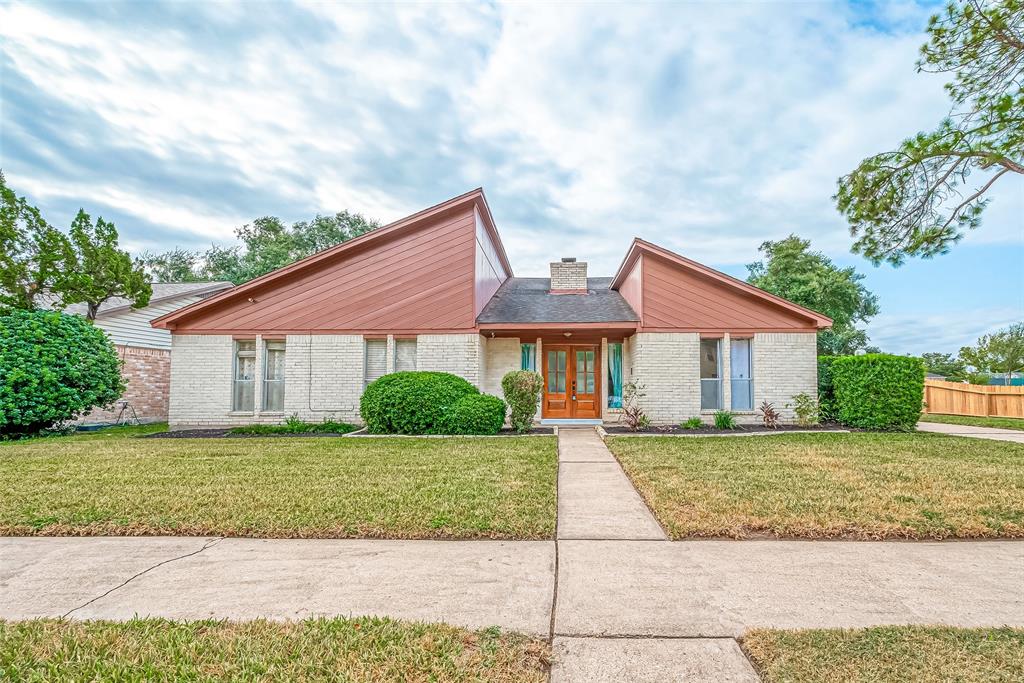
(209, 544)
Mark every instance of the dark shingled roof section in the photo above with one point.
(526, 300)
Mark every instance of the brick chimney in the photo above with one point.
(569, 275)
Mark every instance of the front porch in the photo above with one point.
(584, 368)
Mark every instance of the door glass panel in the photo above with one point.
(585, 372)
(556, 372)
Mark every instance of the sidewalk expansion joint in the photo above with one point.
(209, 544)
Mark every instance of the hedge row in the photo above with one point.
(874, 391)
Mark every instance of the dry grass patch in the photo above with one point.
(280, 488)
(889, 654)
(864, 486)
(997, 422)
(369, 649)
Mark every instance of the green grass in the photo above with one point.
(280, 488)
(369, 649)
(997, 422)
(863, 486)
(890, 654)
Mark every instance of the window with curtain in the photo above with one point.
(615, 375)
(741, 385)
(375, 362)
(243, 395)
(528, 357)
(405, 355)
(710, 374)
(273, 377)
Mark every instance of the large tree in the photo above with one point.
(1001, 352)
(918, 199)
(100, 270)
(266, 244)
(33, 254)
(791, 270)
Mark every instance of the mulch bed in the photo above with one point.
(740, 429)
(225, 433)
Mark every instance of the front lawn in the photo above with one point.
(888, 654)
(368, 649)
(280, 488)
(863, 486)
(997, 422)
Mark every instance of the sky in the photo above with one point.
(707, 128)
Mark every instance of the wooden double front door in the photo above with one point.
(572, 381)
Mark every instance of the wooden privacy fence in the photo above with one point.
(953, 398)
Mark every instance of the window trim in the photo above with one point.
(406, 341)
(718, 371)
(366, 358)
(235, 356)
(266, 381)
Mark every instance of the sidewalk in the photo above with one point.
(1014, 436)
(617, 600)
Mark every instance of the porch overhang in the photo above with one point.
(565, 331)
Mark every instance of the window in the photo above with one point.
(243, 395)
(741, 386)
(710, 374)
(528, 357)
(585, 372)
(376, 360)
(615, 375)
(405, 354)
(273, 377)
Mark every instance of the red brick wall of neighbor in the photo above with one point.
(147, 374)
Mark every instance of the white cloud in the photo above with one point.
(945, 332)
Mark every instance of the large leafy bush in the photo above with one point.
(53, 368)
(412, 402)
(475, 414)
(522, 392)
(826, 393)
(878, 391)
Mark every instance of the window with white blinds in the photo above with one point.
(375, 363)
(405, 354)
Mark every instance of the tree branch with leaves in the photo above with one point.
(921, 198)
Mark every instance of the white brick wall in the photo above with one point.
(323, 379)
(502, 357)
(666, 363)
(201, 367)
(459, 354)
(785, 364)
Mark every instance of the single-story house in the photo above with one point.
(145, 351)
(435, 291)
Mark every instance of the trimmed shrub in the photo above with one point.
(412, 402)
(826, 394)
(878, 391)
(475, 414)
(522, 392)
(53, 368)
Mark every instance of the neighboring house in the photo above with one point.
(145, 351)
(435, 291)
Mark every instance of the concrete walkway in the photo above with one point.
(596, 500)
(1011, 435)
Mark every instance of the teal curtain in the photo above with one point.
(528, 357)
(615, 375)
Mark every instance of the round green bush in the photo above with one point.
(53, 368)
(878, 391)
(522, 392)
(475, 414)
(411, 402)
